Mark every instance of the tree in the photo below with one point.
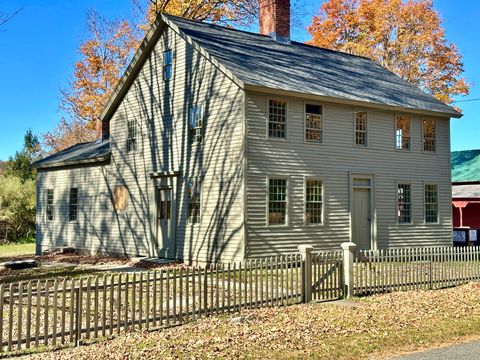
(20, 165)
(106, 53)
(407, 38)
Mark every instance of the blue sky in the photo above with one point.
(39, 47)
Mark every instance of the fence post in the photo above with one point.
(306, 254)
(348, 252)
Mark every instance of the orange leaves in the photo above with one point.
(405, 37)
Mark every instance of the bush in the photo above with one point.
(17, 208)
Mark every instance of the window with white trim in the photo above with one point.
(402, 132)
(277, 119)
(131, 135)
(50, 207)
(194, 201)
(313, 123)
(361, 128)
(196, 124)
(73, 205)
(313, 201)
(404, 204)
(277, 201)
(429, 135)
(431, 203)
(167, 64)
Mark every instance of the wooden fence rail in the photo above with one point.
(66, 311)
(414, 268)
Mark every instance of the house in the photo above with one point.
(220, 144)
(466, 195)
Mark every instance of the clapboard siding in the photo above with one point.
(161, 111)
(332, 162)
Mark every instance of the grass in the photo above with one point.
(24, 248)
(374, 327)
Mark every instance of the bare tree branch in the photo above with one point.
(6, 18)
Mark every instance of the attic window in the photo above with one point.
(196, 124)
(131, 136)
(167, 65)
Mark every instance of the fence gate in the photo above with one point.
(327, 275)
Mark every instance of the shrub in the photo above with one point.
(17, 208)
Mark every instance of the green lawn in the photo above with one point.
(16, 250)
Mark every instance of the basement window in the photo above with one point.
(429, 135)
(167, 65)
(50, 207)
(73, 205)
(277, 119)
(404, 204)
(313, 123)
(431, 203)
(277, 202)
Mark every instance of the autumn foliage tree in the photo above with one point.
(406, 37)
(107, 52)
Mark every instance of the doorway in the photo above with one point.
(165, 222)
(361, 213)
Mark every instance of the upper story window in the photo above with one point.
(194, 203)
(73, 205)
(131, 135)
(404, 204)
(431, 203)
(402, 132)
(313, 123)
(277, 119)
(196, 124)
(361, 128)
(429, 135)
(50, 207)
(313, 202)
(277, 202)
(167, 64)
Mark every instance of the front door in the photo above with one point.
(164, 221)
(361, 219)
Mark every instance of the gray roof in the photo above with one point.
(77, 154)
(259, 60)
(466, 191)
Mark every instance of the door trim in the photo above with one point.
(373, 207)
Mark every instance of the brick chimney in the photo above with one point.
(275, 19)
(102, 129)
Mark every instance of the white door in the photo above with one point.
(361, 219)
(164, 221)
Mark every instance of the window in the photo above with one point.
(120, 198)
(313, 202)
(361, 128)
(277, 119)
(196, 124)
(194, 203)
(73, 205)
(404, 204)
(277, 202)
(429, 135)
(50, 204)
(402, 133)
(313, 123)
(431, 203)
(167, 65)
(131, 136)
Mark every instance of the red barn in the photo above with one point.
(466, 195)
